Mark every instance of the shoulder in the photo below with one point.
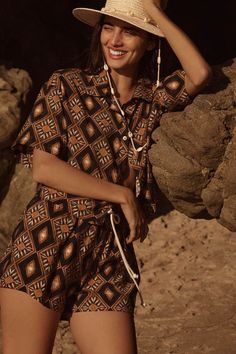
(171, 92)
(171, 81)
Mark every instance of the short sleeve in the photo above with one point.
(171, 95)
(45, 127)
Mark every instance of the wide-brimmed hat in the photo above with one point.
(130, 11)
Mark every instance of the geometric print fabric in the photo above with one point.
(74, 269)
(76, 119)
(62, 252)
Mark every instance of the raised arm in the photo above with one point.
(197, 70)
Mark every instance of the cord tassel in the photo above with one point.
(158, 63)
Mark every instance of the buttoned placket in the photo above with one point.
(130, 108)
(142, 92)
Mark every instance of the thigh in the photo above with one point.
(27, 326)
(104, 332)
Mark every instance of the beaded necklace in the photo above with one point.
(106, 68)
(130, 134)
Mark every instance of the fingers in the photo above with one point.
(136, 221)
(139, 231)
(132, 235)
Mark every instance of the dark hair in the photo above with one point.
(147, 65)
(95, 57)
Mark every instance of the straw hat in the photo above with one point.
(130, 11)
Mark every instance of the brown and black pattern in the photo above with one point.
(62, 252)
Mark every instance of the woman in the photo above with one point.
(86, 140)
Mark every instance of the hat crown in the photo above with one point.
(130, 11)
(132, 7)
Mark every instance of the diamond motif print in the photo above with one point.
(22, 246)
(75, 140)
(11, 278)
(43, 235)
(30, 268)
(64, 243)
(48, 258)
(103, 152)
(36, 214)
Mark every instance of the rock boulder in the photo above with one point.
(194, 154)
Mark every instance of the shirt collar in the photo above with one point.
(98, 85)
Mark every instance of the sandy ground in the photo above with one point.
(188, 282)
(189, 272)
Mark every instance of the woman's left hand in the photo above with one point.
(138, 227)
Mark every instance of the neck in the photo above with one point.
(123, 84)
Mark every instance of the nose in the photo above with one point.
(116, 39)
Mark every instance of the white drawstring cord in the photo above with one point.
(114, 218)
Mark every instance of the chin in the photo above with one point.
(118, 66)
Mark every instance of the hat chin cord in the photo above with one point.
(106, 68)
(158, 63)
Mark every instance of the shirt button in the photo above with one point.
(125, 138)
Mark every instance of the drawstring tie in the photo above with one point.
(115, 219)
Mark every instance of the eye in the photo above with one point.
(107, 27)
(131, 32)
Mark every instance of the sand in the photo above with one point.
(188, 271)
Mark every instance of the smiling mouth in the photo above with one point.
(116, 53)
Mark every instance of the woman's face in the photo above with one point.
(123, 45)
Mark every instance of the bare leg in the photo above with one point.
(107, 332)
(28, 327)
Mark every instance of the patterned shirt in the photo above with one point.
(76, 119)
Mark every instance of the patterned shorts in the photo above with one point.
(70, 268)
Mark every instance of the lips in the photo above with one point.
(116, 54)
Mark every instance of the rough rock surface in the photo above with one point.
(20, 191)
(15, 85)
(14, 88)
(194, 155)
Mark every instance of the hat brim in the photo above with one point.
(91, 17)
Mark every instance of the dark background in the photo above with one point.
(42, 36)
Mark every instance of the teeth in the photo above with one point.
(116, 52)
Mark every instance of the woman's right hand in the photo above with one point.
(134, 216)
(160, 4)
